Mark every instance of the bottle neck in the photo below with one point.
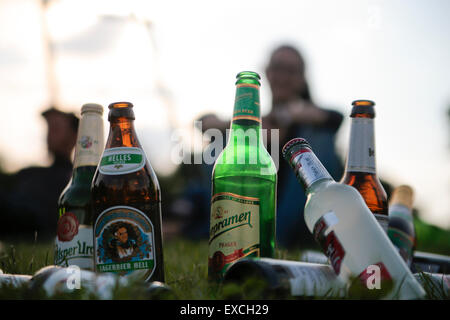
(122, 134)
(83, 175)
(123, 153)
(246, 112)
(246, 103)
(361, 153)
(90, 140)
(308, 168)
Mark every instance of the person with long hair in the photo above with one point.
(295, 114)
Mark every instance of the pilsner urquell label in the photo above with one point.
(234, 230)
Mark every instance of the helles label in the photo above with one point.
(234, 230)
(75, 250)
(122, 160)
(124, 242)
(361, 155)
(328, 240)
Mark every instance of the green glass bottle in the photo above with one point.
(73, 243)
(243, 203)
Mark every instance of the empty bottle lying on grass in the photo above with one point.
(346, 229)
(73, 282)
(287, 279)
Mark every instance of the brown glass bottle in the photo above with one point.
(126, 204)
(360, 170)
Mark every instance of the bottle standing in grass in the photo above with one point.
(126, 204)
(360, 171)
(244, 179)
(401, 223)
(73, 242)
(359, 250)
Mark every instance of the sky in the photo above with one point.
(176, 60)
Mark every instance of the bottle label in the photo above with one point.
(401, 212)
(328, 240)
(234, 230)
(361, 155)
(308, 168)
(385, 278)
(124, 242)
(73, 248)
(122, 160)
(90, 141)
(403, 241)
(246, 105)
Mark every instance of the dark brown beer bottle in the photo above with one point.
(360, 171)
(126, 204)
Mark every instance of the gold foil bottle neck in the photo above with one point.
(403, 195)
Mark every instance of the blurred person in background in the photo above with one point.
(29, 199)
(295, 114)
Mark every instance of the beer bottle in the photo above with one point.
(347, 231)
(401, 224)
(74, 283)
(286, 279)
(430, 262)
(244, 178)
(292, 279)
(360, 171)
(126, 204)
(73, 243)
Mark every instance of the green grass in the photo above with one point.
(185, 273)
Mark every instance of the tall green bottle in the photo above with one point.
(244, 179)
(73, 242)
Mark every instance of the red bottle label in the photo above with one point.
(329, 242)
(67, 227)
(384, 274)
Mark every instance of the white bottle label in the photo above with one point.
(308, 167)
(122, 160)
(90, 142)
(234, 230)
(76, 251)
(361, 155)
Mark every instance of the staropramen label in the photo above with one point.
(122, 160)
(234, 230)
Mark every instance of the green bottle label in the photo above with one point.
(234, 230)
(122, 160)
(124, 242)
(246, 104)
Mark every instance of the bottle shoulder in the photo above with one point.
(255, 161)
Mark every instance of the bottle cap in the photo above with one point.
(92, 107)
(248, 77)
(291, 147)
(363, 107)
(403, 195)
